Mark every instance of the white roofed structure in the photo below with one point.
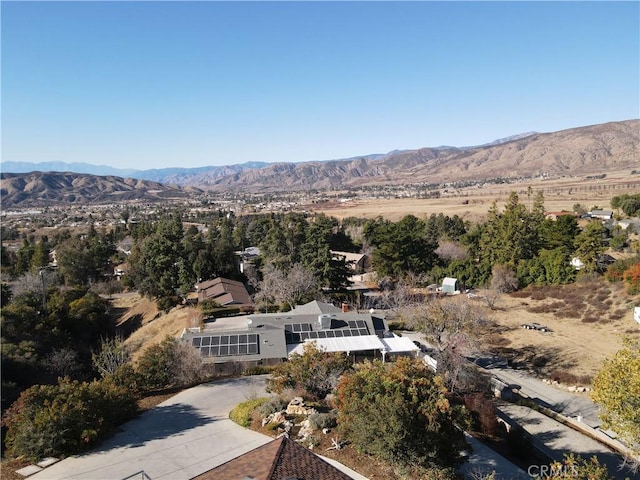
(386, 345)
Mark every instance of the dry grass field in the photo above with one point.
(472, 203)
(587, 322)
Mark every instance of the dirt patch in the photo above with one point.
(585, 324)
(141, 323)
(8, 468)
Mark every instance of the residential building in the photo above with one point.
(279, 459)
(270, 338)
(355, 261)
(224, 292)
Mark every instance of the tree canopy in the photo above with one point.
(616, 389)
(400, 413)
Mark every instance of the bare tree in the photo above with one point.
(112, 355)
(195, 318)
(290, 287)
(188, 368)
(451, 324)
(37, 283)
(451, 250)
(63, 362)
(503, 279)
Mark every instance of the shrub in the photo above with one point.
(631, 278)
(568, 378)
(257, 370)
(169, 363)
(315, 371)
(590, 318)
(483, 412)
(318, 421)
(63, 419)
(273, 405)
(242, 414)
(167, 303)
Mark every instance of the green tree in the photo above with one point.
(616, 389)
(40, 257)
(400, 413)
(512, 235)
(155, 259)
(24, 257)
(560, 232)
(550, 267)
(316, 256)
(589, 245)
(83, 258)
(400, 247)
(315, 372)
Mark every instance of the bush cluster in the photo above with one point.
(242, 414)
(55, 420)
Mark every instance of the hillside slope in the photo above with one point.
(580, 151)
(52, 188)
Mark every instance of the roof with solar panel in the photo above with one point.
(275, 335)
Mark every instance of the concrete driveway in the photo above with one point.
(569, 404)
(182, 437)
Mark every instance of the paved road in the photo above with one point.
(484, 460)
(567, 403)
(184, 436)
(559, 439)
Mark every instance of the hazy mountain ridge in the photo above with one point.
(54, 188)
(164, 175)
(577, 152)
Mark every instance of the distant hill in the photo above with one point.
(579, 151)
(164, 175)
(588, 150)
(53, 188)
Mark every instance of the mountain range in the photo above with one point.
(588, 150)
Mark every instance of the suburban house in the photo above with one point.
(602, 262)
(355, 261)
(631, 224)
(601, 214)
(246, 258)
(278, 459)
(224, 292)
(120, 270)
(555, 215)
(269, 338)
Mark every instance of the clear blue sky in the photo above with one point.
(162, 84)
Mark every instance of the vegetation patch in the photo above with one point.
(242, 414)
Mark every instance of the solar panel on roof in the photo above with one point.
(226, 345)
(299, 332)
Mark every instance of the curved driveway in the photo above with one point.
(182, 437)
